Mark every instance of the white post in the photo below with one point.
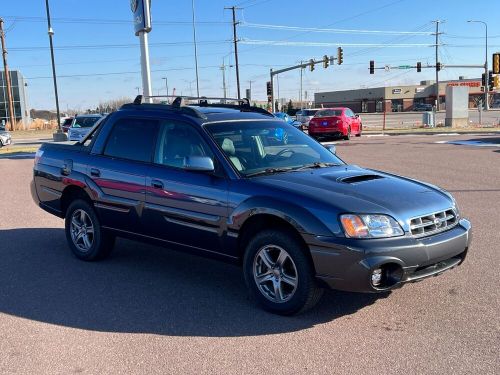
(145, 70)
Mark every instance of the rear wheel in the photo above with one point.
(348, 135)
(84, 234)
(278, 273)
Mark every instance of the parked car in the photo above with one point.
(5, 137)
(288, 119)
(422, 107)
(212, 180)
(67, 124)
(305, 115)
(335, 122)
(81, 126)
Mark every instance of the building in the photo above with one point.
(18, 89)
(397, 98)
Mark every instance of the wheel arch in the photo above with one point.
(69, 194)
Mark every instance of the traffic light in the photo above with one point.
(340, 55)
(325, 61)
(438, 66)
(419, 67)
(483, 79)
(269, 90)
(490, 81)
(496, 82)
(311, 65)
(372, 67)
(496, 63)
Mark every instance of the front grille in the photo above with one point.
(433, 223)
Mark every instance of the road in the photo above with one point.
(149, 310)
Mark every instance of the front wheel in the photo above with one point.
(278, 273)
(84, 234)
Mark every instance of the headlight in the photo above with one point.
(370, 226)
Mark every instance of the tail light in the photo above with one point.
(38, 155)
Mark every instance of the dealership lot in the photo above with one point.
(147, 310)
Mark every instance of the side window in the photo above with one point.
(176, 141)
(132, 139)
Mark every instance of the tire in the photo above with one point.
(290, 287)
(348, 135)
(84, 234)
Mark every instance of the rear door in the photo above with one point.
(119, 172)
(184, 207)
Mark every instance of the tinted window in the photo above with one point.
(310, 112)
(132, 139)
(176, 141)
(329, 112)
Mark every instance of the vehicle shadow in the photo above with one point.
(141, 289)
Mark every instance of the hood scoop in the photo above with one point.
(359, 178)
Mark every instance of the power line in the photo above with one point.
(102, 21)
(334, 31)
(334, 44)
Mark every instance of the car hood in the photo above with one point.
(4, 133)
(350, 188)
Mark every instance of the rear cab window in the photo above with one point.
(132, 139)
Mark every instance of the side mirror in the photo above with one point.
(332, 149)
(198, 163)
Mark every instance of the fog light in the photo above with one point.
(377, 277)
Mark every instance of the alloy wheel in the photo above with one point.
(275, 273)
(82, 230)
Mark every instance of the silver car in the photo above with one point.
(81, 126)
(5, 138)
(305, 115)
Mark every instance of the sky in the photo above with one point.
(98, 56)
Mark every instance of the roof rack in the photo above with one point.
(181, 103)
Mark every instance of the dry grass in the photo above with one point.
(18, 150)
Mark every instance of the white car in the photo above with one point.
(81, 126)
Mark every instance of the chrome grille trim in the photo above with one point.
(433, 223)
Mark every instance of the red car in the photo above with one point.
(335, 122)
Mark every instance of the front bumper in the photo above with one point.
(347, 264)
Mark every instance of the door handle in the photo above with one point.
(157, 184)
(95, 172)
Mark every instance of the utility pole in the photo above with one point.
(195, 51)
(235, 39)
(300, 94)
(437, 63)
(166, 85)
(12, 115)
(250, 83)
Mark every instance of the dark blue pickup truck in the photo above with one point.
(231, 181)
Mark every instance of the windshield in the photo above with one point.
(309, 112)
(255, 147)
(329, 112)
(85, 122)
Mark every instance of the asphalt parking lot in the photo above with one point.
(148, 310)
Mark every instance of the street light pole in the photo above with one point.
(486, 102)
(195, 51)
(51, 34)
(166, 85)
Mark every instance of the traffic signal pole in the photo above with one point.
(437, 66)
(311, 64)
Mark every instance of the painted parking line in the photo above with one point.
(470, 143)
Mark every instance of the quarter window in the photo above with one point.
(133, 139)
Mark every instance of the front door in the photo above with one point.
(184, 207)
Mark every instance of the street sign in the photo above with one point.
(387, 68)
(404, 67)
(142, 15)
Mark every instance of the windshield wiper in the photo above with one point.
(316, 165)
(268, 171)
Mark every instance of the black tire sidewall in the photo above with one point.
(95, 251)
(305, 271)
